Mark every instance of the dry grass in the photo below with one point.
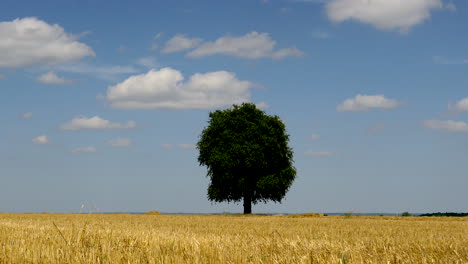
(67, 238)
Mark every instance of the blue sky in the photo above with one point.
(102, 102)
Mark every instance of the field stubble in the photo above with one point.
(120, 238)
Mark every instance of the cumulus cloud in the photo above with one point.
(89, 149)
(383, 14)
(43, 139)
(95, 123)
(52, 78)
(26, 115)
(448, 125)
(252, 46)
(365, 102)
(319, 153)
(180, 42)
(120, 142)
(30, 41)
(460, 106)
(166, 89)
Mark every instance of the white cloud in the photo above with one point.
(460, 106)
(30, 41)
(252, 46)
(97, 123)
(40, 140)
(398, 15)
(89, 149)
(167, 146)
(52, 78)
(180, 42)
(120, 142)
(26, 115)
(365, 102)
(448, 125)
(2, 76)
(319, 154)
(165, 89)
(314, 137)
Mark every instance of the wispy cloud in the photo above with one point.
(52, 78)
(314, 137)
(320, 34)
(120, 142)
(362, 103)
(26, 115)
(95, 123)
(108, 73)
(444, 60)
(180, 42)
(253, 45)
(148, 62)
(40, 140)
(447, 125)
(460, 106)
(155, 45)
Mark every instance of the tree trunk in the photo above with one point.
(247, 204)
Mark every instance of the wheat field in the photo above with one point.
(121, 238)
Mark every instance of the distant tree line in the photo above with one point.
(446, 214)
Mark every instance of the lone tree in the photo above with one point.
(247, 156)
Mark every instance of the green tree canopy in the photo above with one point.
(247, 156)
